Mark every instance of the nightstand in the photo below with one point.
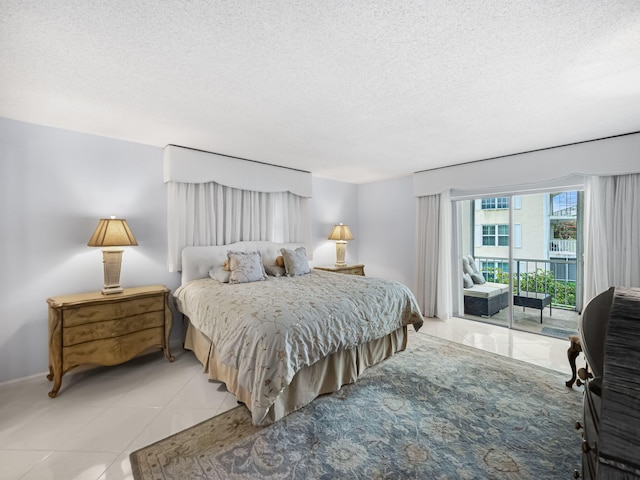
(92, 328)
(348, 269)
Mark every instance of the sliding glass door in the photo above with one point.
(519, 258)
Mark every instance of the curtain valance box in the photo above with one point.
(562, 167)
(186, 165)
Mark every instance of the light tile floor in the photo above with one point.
(103, 414)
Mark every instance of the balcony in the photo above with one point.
(562, 248)
(555, 277)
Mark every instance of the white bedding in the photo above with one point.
(269, 330)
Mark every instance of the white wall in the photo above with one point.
(332, 203)
(381, 216)
(54, 186)
(387, 222)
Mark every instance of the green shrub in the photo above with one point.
(542, 281)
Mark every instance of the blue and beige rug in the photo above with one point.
(439, 410)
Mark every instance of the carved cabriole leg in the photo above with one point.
(55, 350)
(574, 350)
(168, 321)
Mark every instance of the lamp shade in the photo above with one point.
(112, 232)
(340, 232)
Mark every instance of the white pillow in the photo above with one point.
(220, 274)
(478, 278)
(295, 261)
(467, 281)
(468, 266)
(245, 267)
(274, 270)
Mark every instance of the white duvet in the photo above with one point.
(269, 330)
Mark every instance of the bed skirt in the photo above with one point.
(325, 376)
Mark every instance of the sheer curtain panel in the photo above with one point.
(433, 229)
(213, 214)
(612, 233)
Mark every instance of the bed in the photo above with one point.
(280, 342)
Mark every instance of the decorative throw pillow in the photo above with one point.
(274, 270)
(245, 267)
(467, 281)
(468, 266)
(295, 261)
(220, 274)
(472, 262)
(477, 278)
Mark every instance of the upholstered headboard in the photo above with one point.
(197, 261)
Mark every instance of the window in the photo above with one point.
(495, 203)
(494, 271)
(493, 235)
(564, 271)
(564, 204)
(503, 235)
(488, 235)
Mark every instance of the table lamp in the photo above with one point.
(341, 234)
(112, 233)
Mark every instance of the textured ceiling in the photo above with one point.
(356, 91)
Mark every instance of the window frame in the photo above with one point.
(498, 234)
(494, 203)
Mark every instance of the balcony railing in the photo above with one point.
(559, 247)
(555, 277)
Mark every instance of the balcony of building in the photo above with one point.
(544, 293)
(562, 248)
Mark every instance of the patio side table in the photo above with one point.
(533, 300)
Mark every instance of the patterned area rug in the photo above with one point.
(436, 411)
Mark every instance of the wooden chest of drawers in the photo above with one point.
(591, 418)
(348, 269)
(92, 328)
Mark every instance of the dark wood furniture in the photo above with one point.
(590, 427)
(610, 339)
(574, 350)
(533, 300)
(92, 328)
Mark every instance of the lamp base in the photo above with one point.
(109, 291)
(341, 251)
(112, 260)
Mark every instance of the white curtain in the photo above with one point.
(434, 292)
(213, 214)
(612, 233)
